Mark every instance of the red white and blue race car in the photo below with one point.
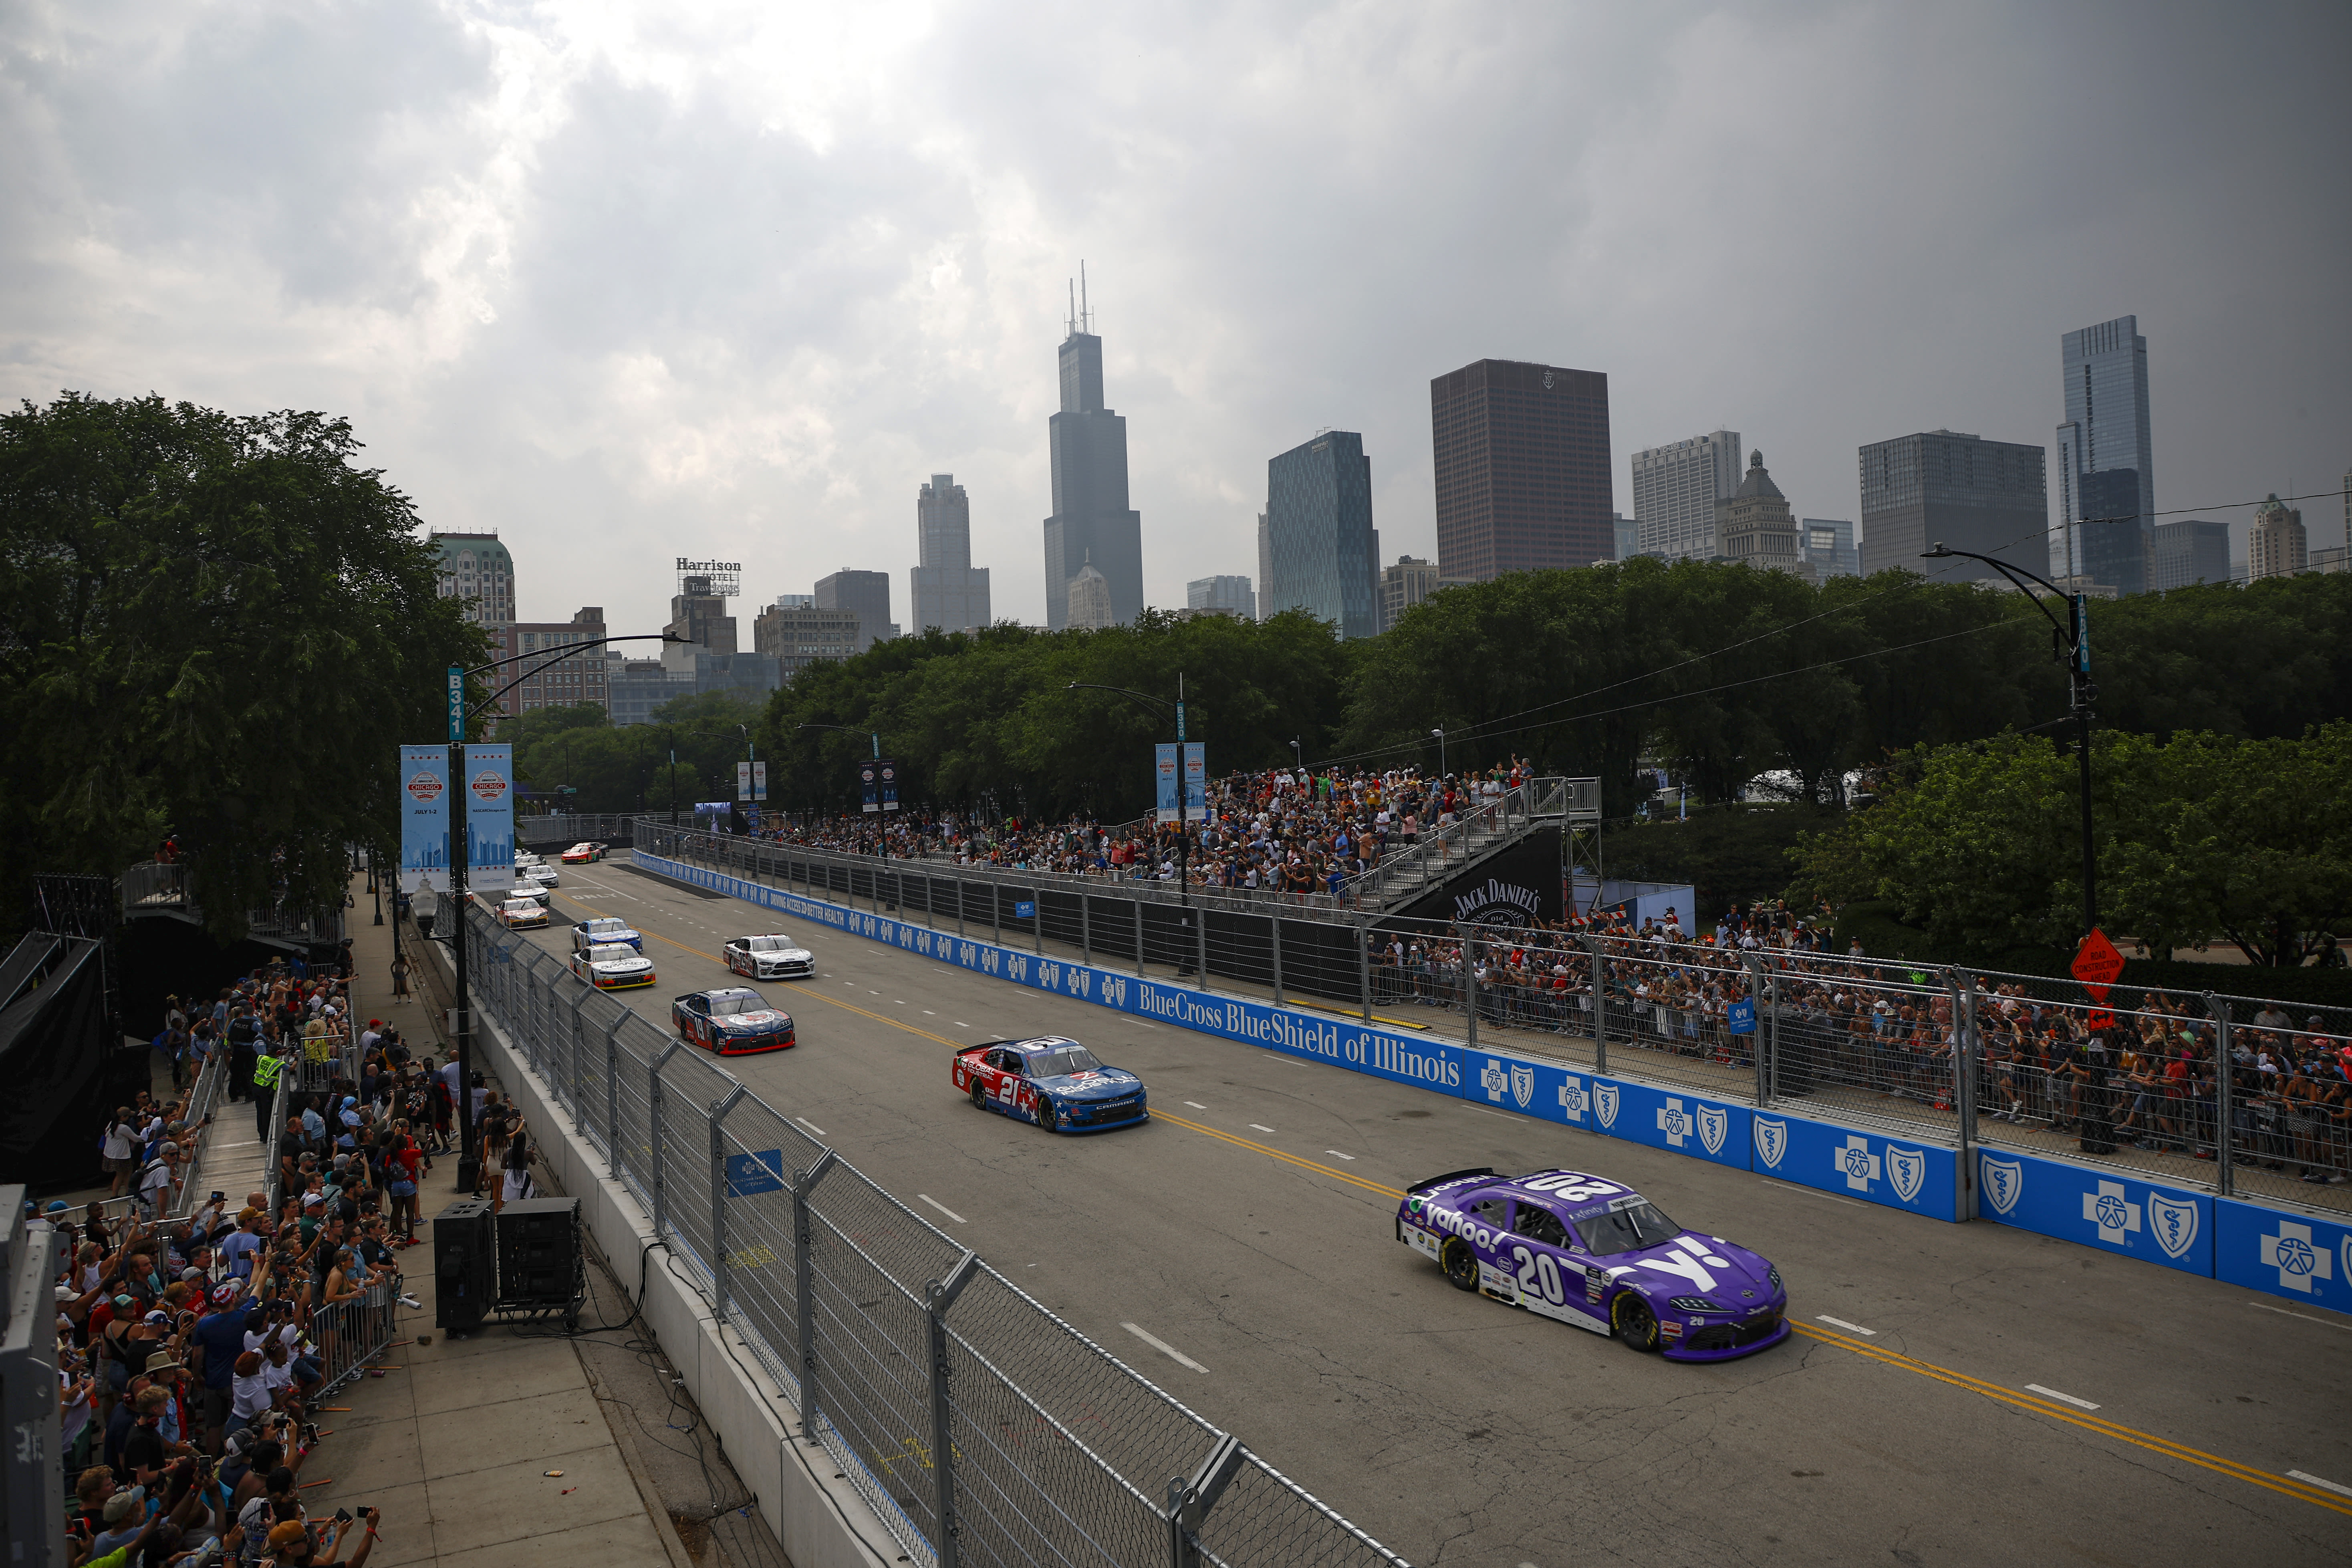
(1599, 1254)
(1054, 1082)
(731, 1021)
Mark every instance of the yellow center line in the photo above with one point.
(2282, 1485)
(2214, 1462)
(1317, 1167)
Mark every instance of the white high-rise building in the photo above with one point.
(1675, 487)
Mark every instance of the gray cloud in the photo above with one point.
(630, 284)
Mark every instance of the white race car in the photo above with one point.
(544, 875)
(612, 967)
(605, 930)
(774, 957)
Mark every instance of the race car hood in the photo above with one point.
(620, 965)
(1695, 1264)
(758, 1023)
(1095, 1083)
(783, 955)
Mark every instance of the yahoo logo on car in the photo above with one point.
(1460, 1225)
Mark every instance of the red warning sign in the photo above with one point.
(2098, 965)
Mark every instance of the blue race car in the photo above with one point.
(1592, 1252)
(1054, 1082)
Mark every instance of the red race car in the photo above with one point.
(732, 1021)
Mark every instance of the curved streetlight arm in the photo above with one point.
(1159, 704)
(1943, 551)
(552, 655)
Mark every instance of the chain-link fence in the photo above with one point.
(1962, 1056)
(979, 1426)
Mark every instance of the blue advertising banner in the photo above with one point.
(1529, 1086)
(1163, 780)
(870, 786)
(1678, 1119)
(889, 783)
(425, 818)
(2113, 1211)
(1866, 1167)
(489, 818)
(1196, 782)
(2297, 1257)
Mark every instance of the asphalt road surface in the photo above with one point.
(1957, 1394)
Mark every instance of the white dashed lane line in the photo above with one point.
(812, 1127)
(1164, 1348)
(2306, 1316)
(1196, 1105)
(941, 1207)
(1336, 1151)
(1849, 1328)
(2309, 1479)
(2063, 1398)
(1261, 1127)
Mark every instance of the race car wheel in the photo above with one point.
(1634, 1322)
(1047, 1117)
(1461, 1265)
(979, 1095)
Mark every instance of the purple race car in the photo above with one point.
(1599, 1254)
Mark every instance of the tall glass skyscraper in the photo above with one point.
(1091, 521)
(1961, 489)
(1675, 487)
(2106, 526)
(949, 592)
(1324, 553)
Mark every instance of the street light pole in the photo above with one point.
(1440, 733)
(2075, 634)
(1183, 846)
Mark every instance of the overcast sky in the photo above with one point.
(626, 283)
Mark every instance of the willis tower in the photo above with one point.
(1092, 523)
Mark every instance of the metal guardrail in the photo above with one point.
(979, 1426)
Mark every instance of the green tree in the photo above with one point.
(213, 628)
(2238, 840)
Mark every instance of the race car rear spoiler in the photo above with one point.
(1450, 1176)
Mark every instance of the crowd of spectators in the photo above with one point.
(196, 1335)
(1297, 831)
(1846, 1026)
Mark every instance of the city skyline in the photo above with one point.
(817, 289)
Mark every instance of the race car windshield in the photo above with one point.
(1629, 1229)
(1061, 1061)
(731, 1004)
(614, 955)
(772, 944)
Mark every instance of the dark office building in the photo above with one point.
(2189, 551)
(2112, 540)
(865, 593)
(1523, 473)
(1325, 552)
(1091, 522)
(1970, 493)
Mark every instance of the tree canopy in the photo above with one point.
(578, 749)
(2200, 839)
(213, 628)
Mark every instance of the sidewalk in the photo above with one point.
(453, 1438)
